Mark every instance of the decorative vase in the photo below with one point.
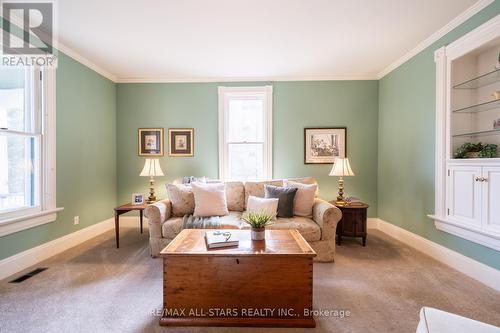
(258, 233)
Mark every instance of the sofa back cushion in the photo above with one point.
(235, 196)
(257, 188)
(182, 199)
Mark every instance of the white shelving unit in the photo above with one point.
(468, 190)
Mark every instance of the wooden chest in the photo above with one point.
(258, 283)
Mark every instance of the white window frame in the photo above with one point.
(225, 94)
(46, 210)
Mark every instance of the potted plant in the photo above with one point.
(258, 222)
(476, 150)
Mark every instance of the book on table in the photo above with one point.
(220, 238)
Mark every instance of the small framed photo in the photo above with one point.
(324, 145)
(150, 141)
(137, 198)
(181, 142)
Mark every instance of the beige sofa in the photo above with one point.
(319, 230)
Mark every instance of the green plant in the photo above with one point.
(484, 151)
(257, 220)
(488, 151)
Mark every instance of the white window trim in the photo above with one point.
(224, 94)
(47, 211)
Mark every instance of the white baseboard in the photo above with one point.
(25, 259)
(470, 267)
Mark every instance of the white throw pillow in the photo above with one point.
(209, 199)
(304, 198)
(263, 205)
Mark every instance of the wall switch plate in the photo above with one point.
(76, 220)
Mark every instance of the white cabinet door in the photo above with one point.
(464, 195)
(491, 199)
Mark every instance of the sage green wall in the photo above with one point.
(296, 105)
(86, 156)
(406, 146)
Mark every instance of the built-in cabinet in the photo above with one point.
(468, 112)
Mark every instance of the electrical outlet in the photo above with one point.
(76, 220)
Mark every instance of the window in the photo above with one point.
(27, 126)
(245, 133)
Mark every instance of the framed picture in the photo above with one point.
(150, 141)
(137, 198)
(324, 145)
(181, 142)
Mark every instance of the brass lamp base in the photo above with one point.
(152, 196)
(340, 197)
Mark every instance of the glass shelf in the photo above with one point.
(478, 133)
(480, 107)
(480, 81)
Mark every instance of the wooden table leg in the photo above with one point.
(117, 229)
(140, 214)
(364, 241)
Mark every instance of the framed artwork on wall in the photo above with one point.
(181, 142)
(150, 141)
(324, 145)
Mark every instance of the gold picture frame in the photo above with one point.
(150, 141)
(181, 142)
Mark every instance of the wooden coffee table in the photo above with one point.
(259, 283)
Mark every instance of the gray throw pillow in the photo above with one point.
(285, 196)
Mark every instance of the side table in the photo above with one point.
(125, 209)
(353, 222)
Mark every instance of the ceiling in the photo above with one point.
(217, 40)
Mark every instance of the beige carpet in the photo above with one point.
(97, 288)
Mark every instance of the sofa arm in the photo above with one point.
(326, 216)
(157, 213)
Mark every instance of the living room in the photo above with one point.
(359, 139)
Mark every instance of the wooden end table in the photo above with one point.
(353, 222)
(125, 209)
(258, 283)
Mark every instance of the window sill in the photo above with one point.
(17, 224)
(476, 235)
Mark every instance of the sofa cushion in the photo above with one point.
(209, 199)
(257, 188)
(309, 229)
(182, 199)
(235, 196)
(268, 206)
(173, 226)
(304, 198)
(286, 196)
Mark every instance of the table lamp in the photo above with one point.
(151, 169)
(341, 168)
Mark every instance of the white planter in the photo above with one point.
(258, 234)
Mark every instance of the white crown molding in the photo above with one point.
(71, 53)
(18, 262)
(242, 79)
(86, 62)
(470, 267)
(467, 14)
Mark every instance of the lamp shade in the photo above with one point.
(152, 168)
(341, 167)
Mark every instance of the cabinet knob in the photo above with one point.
(484, 179)
(478, 179)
